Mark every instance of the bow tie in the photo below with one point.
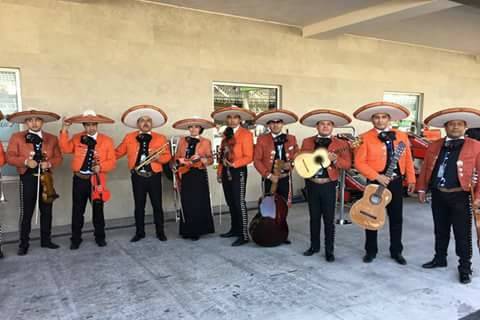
(33, 138)
(89, 141)
(454, 144)
(322, 142)
(192, 140)
(387, 136)
(144, 137)
(280, 139)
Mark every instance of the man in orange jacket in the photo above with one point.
(322, 187)
(372, 159)
(2, 162)
(93, 156)
(448, 169)
(140, 145)
(31, 151)
(236, 153)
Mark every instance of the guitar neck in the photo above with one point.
(391, 167)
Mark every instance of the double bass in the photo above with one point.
(269, 227)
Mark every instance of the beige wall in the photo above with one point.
(109, 55)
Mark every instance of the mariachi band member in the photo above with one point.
(93, 156)
(33, 151)
(236, 152)
(276, 146)
(2, 163)
(372, 158)
(193, 155)
(147, 152)
(322, 187)
(447, 172)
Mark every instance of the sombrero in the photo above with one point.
(310, 119)
(131, 116)
(21, 116)
(396, 111)
(185, 123)
(286, 116)
(470, 115)
(89, 116)
(222, 113)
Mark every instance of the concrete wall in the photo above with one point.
(109, 55)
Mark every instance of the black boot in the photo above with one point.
(399, 259)
(49, 245)
(330, 257)
(22, 249)
(368, 258)
(239, 242)
(1, 254)
(310, 252)
(137, 237)
(464, 277)
(161, 236)
(101, 242)
(435, 263)
(228, 234)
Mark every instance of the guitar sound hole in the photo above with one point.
(374, 199)
(318, 159)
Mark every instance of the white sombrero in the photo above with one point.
(396, 111)
(89, 116)
(285, 116)
(222, 113)
(470, 115)
(131, 116)
(310, 119)
(184, 124)
(21, 116)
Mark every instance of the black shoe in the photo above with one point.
(330, 257)
(368, 258)
(101, 243)
(50, 245)
(310, 252)
(228, 234)
(161, 237)
(74, 245)
(435, 264)
(239, 242)
(464, 277)
(137, 238)
(1, 254)
(22, 250)
(195, 238)
(287, 242)
(399, 259)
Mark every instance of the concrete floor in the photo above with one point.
(209, 279)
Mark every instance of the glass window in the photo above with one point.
(10, 102)
(412, 101)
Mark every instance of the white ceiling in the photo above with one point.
(436, 23)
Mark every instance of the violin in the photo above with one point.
(46, 179)
(226, 150)
(100, 192)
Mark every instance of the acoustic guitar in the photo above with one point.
(369, 211)
(307, 164)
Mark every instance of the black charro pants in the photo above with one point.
(234, 191)
(28, 202)
(395, 220)
(452, 209)
(321, 204)
(151, 186)
(81, 194)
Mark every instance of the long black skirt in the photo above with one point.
(197, 211)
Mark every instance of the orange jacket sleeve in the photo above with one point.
(344, 160)
(247, 151)
(258, 160)
(57, 157)
(208, 153)
(121, 150)
(66, 144)
(409, 168)
(361, 163)
(477, 167)
(422, 183)
(2, 155)
(108, 164)
(14, 157)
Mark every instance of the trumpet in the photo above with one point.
(151, 157)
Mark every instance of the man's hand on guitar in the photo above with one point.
(422, 196)
(411, 188)
(476, 204)
(332, 156)
(287, 166)
(383, 180)
(273, 178)
(31, 163)
(96, 168)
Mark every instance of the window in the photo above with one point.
(254, 97)
(10, 102)
(412, 101)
